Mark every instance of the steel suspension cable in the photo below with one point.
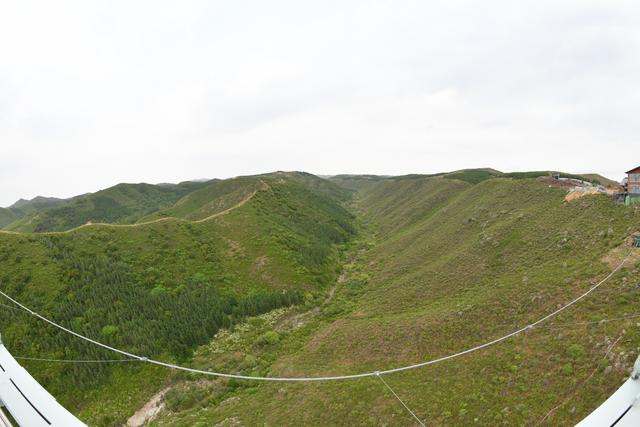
(560, 326)
(401, 401)
(325, 378)
(39, 359)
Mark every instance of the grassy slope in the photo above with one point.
(6, 217)
(455, 265)
(283, 238)
(217, 196)
(356, 182)
(220, 195)
(602, 180)
(123, 203)
(25, 207)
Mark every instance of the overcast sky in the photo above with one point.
(96, 93)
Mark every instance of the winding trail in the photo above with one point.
(264, 186)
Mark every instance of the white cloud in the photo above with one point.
(92, 93)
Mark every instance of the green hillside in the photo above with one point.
(356, 182)
(444, 265)
(217, 196)
(471, 176)
(25, 207)
(6, 217)
(121, 204)
(287, 274)
(601, 180)
(164, 288)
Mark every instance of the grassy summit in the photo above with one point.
(290, 274)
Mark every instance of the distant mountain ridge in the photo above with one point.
(38, 202)
(24, 207)
(7, 216)
(122, 203)
(132, 203)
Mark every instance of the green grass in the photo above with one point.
(7, 217)
(428, 266)
(476, 176)
(472, 176)
(25, 207)
(165, 288)
(123, 203)
(452, 265)
(215, 197)
(593, 178)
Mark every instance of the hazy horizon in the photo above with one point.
(94, 94)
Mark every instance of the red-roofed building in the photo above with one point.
(633, 181)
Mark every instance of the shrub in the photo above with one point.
(269, 338)
(109, 330)
(576, 351)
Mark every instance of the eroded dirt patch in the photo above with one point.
(580, 192)
(619, 253)
(149, 411)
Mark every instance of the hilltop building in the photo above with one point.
(633, 179)
(632, 186)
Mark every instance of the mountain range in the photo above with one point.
(291, 274)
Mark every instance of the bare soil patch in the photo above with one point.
(619, 253)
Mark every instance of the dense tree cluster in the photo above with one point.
(102, 301)
(299, 227)
(161, 290)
